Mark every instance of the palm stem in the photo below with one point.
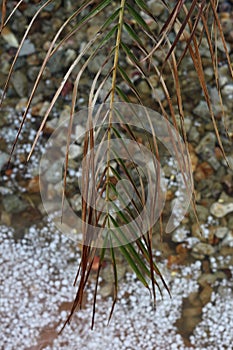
(113, 88)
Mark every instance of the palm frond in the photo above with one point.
(107, 223)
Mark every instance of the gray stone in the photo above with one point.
(76, 202)
(97, 62)
(209, 73)
(202, 213)
(79, 134)
(70, 56)
(203, 249)
(55, 62)
(206, 145)
(10, 37)
(201, 110)
(221, 232)
(194, 135)
(198, 256)
(27, 49)
(51, 124)
(54, 172)
(219, 210)
(157, 8)
(21, 105)
(187, 124)
(106, 290)
(224, 198)
(75, 151)
(207, 278)
(227, 90)
(159, 94)
(14, 204)
(228, 240)
(20, 83)
(64, 115)
(221, 46)
(4, 190)
(213, 162)
(53, 5)
(4, 157)
(223, 75)
(230, 223)
(32, 73)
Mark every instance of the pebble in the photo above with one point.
(9, 37)
(4, 157)
(76, 202)
(223, 75)
(21, 105)
(13, 204)
(54, 172)
(5, 190)
(27, 49)
(230, 223)
(221, 232)
(6, 218)
(40, 108)
(227, 90)
(70, 56)
(188, 124)
(220, 210)
(97, 62)
(201, 110)
(224, 198)
(32, 73)
(202, 214)
(91, 32)
(206, 146)
(194, 299)
(192, 311)
(75, 151)
(207, 278)
(227, 182)
(203, 249)
(5, 64)
(193, 135)
(228, 240)
(203, 171)
(205, 294)
(143, 87)
(106, 290)
(50, 125)
(158, 94)
(214, 163)
(156, 7)
(20, 83)
(53, 6)
(54, 64)
(221, 46)
(79, 134)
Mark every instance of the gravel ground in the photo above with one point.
(36, 291)
(38, 264)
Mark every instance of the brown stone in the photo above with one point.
(203, 171)
(205, 294)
